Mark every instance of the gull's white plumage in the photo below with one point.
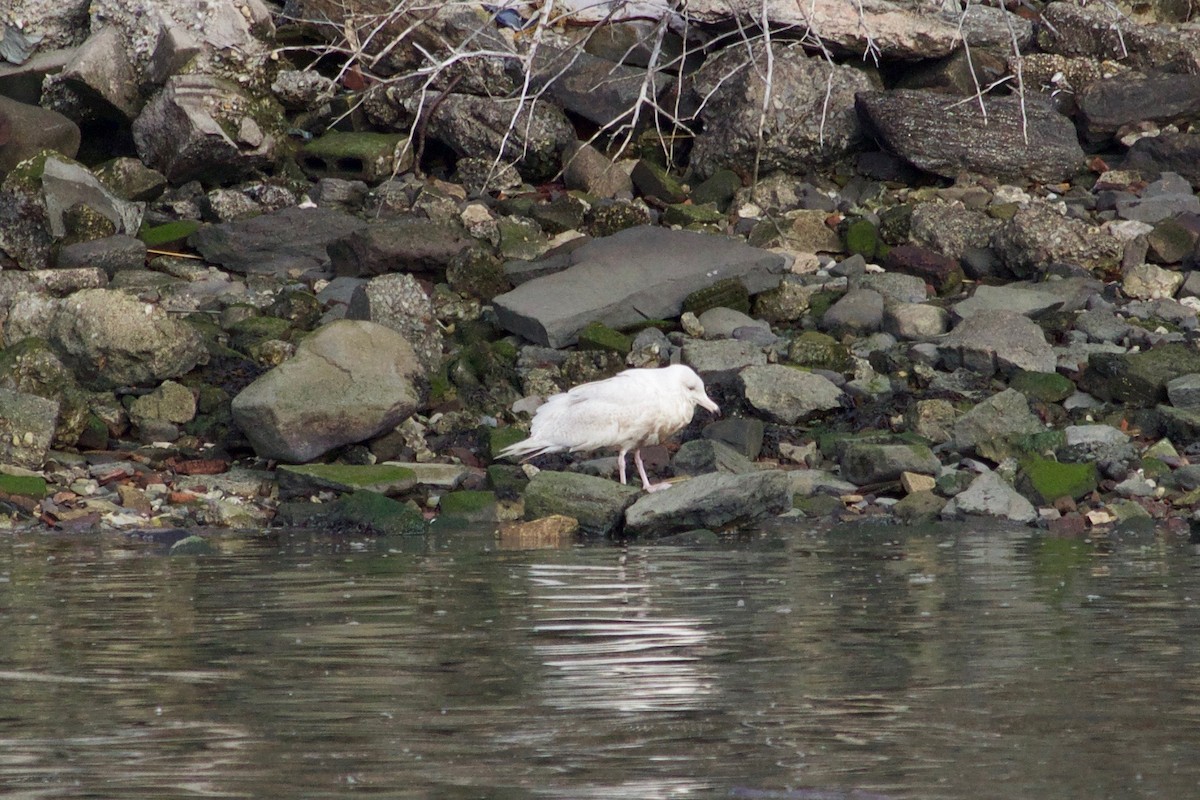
(628, 411)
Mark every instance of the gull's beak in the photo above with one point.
(710, 405)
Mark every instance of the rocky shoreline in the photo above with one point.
(243, 286)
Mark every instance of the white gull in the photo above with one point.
(633, 409)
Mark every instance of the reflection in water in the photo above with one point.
(611, 648)
(856, 663)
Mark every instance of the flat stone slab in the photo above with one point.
(638, 274)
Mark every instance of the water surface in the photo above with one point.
(850, 664)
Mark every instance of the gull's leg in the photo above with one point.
(621, 465)
(641, 468)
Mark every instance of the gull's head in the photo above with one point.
(693, 389)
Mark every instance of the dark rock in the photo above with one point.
(716, 501)
(719, 189)
(1169, 151)
(1173, 239)
(596, 89)
(1102, 32)
(943, 136)
(409, 245)
(743, 434)
(859, 311)
(200, 127)
(286, 243)
(1139, 379)
(608, 281)
(812, 121)
(942, 272)
(111, 254)
(482, 126)
(700, 456)
(1106, 106)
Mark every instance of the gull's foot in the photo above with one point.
(657, 487)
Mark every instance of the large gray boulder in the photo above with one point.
(865, 463)
(787, 394)
(109, 338)
(989, 495)
(1003, 414)
(812, 118)
(634, 275)
(348, 381)
(998, 341)
(26, 428)
(717, 501)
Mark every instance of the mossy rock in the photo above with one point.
(727, 293)
(506, 480)
(1138, 379)
(387, 479)
(566, 212)
(719, 189)
(1021, 445)
(368, 155)
(1048, 480)
(478, 273)
(817, 505)
(597, 336)
(653, 180)
(820, 351)
(299, 307)
(1048, 387)
(372, 512)
(245, 334)
(521, 239)
(168, 233)
(820, 302)
(500, 438)
(469, 505)
(94, 435)
(895, 224)
(860, 237)
(687, 215)
(23, 486)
